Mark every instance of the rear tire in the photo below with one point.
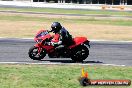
(33, 53)
(80, 53)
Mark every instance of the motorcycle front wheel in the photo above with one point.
(35, 55)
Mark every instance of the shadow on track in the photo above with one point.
(70, 61)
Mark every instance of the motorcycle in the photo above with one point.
(78, 50)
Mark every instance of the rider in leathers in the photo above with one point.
(64, 38)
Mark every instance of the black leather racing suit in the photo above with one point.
(65, 39)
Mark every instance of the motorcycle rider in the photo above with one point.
(62, 37)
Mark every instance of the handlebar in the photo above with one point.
(50, 30)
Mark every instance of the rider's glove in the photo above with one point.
(52, 43)
(48, 43)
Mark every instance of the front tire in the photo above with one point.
(80, 53)
(33, 53)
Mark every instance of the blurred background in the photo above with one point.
(110, 2)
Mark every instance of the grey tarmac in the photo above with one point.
(101, 52)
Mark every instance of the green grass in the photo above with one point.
(66, 11)
(120, 22)
(57, 76)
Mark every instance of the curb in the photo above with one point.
(80, 64)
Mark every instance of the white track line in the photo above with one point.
(28, 63)
(110, 41)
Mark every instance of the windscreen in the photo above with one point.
(43, 33)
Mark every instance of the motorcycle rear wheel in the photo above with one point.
(80, 53)
(33, 53)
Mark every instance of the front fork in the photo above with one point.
(39, 48)
(87, 43)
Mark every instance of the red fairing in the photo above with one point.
(56, 38)
(42, 37)
(38, 33)
(47, 47)
(78, 41)
(46, 36)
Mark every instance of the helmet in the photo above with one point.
(56, 27)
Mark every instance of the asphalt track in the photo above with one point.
(101, 52)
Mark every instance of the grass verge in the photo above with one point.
(57, 76)
(69, 11)
(119, 22)
(26, 25)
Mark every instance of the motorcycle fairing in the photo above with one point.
(55, 38)
(42, 35)
(46, 47)
(77, 41)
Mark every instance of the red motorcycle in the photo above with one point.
(77, 51)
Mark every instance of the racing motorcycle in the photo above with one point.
(78, 50)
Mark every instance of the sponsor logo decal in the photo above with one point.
(86, 81)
